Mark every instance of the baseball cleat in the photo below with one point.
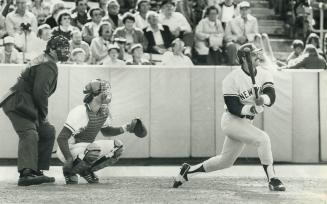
(276, 185)
(182, 176)
(71, 178)
(90, 177)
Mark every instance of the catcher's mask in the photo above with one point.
(95, 88)
(61, 45)
(256, 52)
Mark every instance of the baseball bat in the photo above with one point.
(251, 70)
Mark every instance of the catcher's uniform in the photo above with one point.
(238, 88)
(85, 125)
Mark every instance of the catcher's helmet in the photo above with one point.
(95, 87)
(61, 45)
(248, 47)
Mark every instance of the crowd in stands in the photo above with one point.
(133, 32)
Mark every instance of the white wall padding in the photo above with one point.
(203, 112)
(323, 114)
(131, 99)
(305, 117)
(170, 113)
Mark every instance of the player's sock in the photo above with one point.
(196, 169)
(270, 172)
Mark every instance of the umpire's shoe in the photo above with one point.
(276, 185)
(28, 177)
(47, 179)
(182, 176)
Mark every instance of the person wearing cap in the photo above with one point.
(112, 58)
(99, 45)
(137, 54)
(64, 27)
(78, 56)
(90, 29)
(132, 34)
(8, 53)
(77, 42)
(142, 7)
(26, 105)
(239, 31)
(78, 148)
(310, 59)
(113, 14)
(56, 9)
(298, 47)
(157, 37)
(21, 15)
(176, 57)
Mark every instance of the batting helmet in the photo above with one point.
(61, 45)
(248, 47)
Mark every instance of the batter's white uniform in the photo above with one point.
(240, 131)
(76, 122)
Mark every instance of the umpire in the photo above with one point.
(26, 105)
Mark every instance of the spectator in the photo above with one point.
(64, 27)
(103, 7)
(185, 7)
(56, 10)
(129, 32)
(198, 10)
(112, 58)
(209, 38)
(240, 30)
(309, 60)
(76, 42)
(127, 6)
(90, 29)
(40, 10)
(228, 11)
(123, 55)
(298, 47)
(99, 45)
(21, 15)
(142, 6)
(8, 54)
(113, 17)
(79, 18)
(302, 14)
(137, 54)
(176, 56)
(177, 23)
(314, 40)
(78, 56)
(158, 37)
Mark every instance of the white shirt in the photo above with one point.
(140, 22)
(169, 59)
(228, 13)
(175, 21)
(14, 20)
(157, 34)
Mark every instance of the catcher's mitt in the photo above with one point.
(138, 128)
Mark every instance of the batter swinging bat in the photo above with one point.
(248, 58)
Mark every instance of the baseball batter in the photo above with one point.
(241, 107)
(78, 149)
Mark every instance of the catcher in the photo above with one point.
(78, 149)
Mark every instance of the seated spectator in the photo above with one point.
(99, 45)
(176, 57)
(129, 32)
(137, 54)
(209, 35)
(228, 11)
(64, 27)
(310, 59)
(177, 24)
(103, 6)
(112, 58)
(90, 29)
(113, 18)
(76, 42)
(314, 40)
(123, 55)
(158, 37)
(56, 10)
(8, 54)
(239, 31)
(127, 6)
(21, 15)
(79, 18)
(78, 56)
(40, 10)
(298, 47)
(142, 6)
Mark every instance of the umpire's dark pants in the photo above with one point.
(35, 142)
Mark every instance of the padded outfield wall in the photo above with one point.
(182, 108)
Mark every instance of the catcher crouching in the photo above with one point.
(79, 151)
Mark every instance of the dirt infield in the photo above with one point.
(158, 190)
